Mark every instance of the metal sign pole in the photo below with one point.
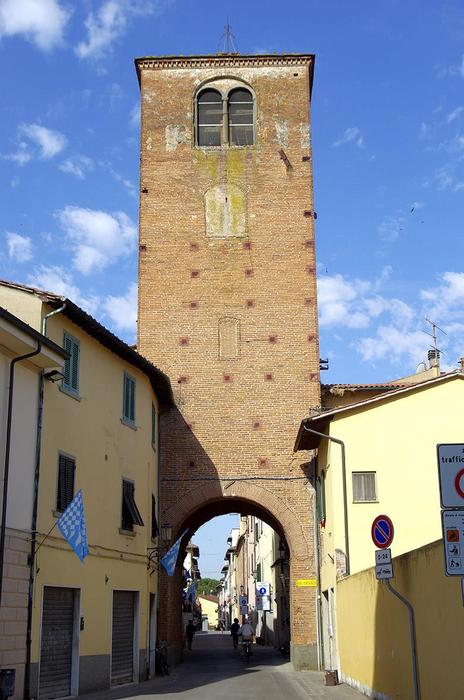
(412, 631)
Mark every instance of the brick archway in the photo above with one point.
(274, 502)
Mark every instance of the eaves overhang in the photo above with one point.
(226, 60)
(159, 381)
(305, 440)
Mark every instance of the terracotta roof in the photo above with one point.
(159, 381)
(212, 598)
(308, 441)
(363, 387)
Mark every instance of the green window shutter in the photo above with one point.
(258, 571)
(153, 424)
(65, 492)
(71, 367)
(128, 404)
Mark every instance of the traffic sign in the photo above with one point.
(453, 541)
(263, 602)
(383, 571)
(243, 600)
(382, 531)
(263, 588)
(451, 472)
(383, 556)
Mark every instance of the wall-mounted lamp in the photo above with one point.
(54, 375)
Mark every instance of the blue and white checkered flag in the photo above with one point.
(170, 558)
(72, 526)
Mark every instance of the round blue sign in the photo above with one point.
(382, 531)
(262, 590)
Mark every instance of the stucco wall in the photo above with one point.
(397, 439)
(373, 631)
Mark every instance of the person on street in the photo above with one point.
(234, 629)
(246, 631)
(189, 632)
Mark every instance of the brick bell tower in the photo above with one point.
(227, 298)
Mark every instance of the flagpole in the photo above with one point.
(48, 533)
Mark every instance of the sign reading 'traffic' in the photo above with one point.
(451, 473)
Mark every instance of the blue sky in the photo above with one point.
(388, 139)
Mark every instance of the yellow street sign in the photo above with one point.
(306, 582)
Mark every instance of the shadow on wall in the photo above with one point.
(375, 647)
(193, 492)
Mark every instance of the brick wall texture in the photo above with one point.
(228, 444)
(13, 611)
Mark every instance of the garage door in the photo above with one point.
(56, 648)
(122, 652)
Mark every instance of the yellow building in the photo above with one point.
(378, 456)
(209, 610)
(93, 624)
(24, 354)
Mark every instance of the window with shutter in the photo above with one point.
(241, 124)
(364, 487)
(70, 380)
(65, 490)
(130, 513)
(128, 401)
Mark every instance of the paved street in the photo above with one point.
(214, 671)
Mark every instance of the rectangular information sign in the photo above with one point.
(306, 582)
(451, 472)
(383, 556)
(453, 541)
(383, 571)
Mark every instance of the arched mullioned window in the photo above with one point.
(225, 120)
(240, 113)
(209, 118)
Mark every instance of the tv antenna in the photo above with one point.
(228, 43)
(433, 334)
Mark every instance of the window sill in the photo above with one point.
(223, 147)
(57, 513)
(130, 425)
(358, 502)
(127, 533)
(70, 393)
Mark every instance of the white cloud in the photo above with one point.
(41, 21)
(21, 156)
(446, 301)
(390, 228)
(455, 114)
(393, 344)
(350, 135)
(49, 142)
(123, 310)
(109, 23)
(78, 166)
(340, 302)
(97, 238)
(134, 116)
(19, 247)
(53, 278)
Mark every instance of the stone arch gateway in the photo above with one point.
(228, 442)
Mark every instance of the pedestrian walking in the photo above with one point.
(234, 628)
(189, 633)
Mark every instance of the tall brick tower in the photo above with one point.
(227, 299)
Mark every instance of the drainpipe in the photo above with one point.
(13, 364)
(345, 498)
(31, 561)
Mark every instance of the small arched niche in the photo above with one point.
(225, 214)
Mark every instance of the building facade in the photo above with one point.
(24, 354)
(93, 624)
(389, 465)
(227, 298)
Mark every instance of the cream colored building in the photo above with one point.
(94, 623)
(384, 450)
(24, 354)
(209, 610)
